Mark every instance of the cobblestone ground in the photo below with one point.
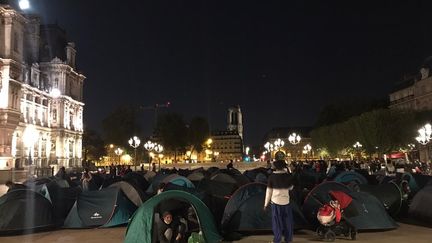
(406, 233)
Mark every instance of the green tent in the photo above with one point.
(140, 226)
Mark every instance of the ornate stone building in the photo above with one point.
(228, 145)
(415, 91)
(41, 94)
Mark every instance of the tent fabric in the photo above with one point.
(149, 176)
(141, 225)
(138, 179)
(179, 181)
(389, 194)
(420, 205)
(131, 191)
(24, 211)
(107, 207)
(222, 177)
(157, 179)
(243, 212)
(196, 176)
(348, 177)
(371, 213)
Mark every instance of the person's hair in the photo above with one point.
(166, 213)
(279, 164)
(8, 183)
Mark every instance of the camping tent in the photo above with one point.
(179, 181)
(420, 205)
(24, 211)
(243, 212)
(138, 179)
(371, 214)
(105, 208)
(350, 177)
(141, 225)
(389, 195)
(131, 191)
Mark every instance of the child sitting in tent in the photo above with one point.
(170, 229)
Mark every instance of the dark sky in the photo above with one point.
(280, 61)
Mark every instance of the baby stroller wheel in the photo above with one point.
(329, 236)
(353, 235)
(320, 232)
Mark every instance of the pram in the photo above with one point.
(332, 220)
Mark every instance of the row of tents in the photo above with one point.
(224, 201)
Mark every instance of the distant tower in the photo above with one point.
(235, 120)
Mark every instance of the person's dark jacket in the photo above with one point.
(176, 226)
(16, 186)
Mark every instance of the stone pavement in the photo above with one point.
(406, 233)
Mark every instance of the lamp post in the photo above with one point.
(30, 136)
(357, 147)
(119, 152)
(424, 138)
(306, 149)
(134, 142)
(294, 139)
(269, 148)
(158, 148)
(278, 144)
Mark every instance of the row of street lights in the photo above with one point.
(293, 139)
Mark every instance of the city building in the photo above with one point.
(41, 94)
(228, 145)
(415, 91)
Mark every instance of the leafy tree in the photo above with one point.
(198, 133)
(93, 146)
(120, 125)
(172, 132)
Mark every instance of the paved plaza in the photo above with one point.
(405, 233)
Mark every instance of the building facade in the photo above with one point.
(228, 145)
(415, 91)
(41, 94)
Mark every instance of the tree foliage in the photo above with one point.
(120, 125)
(198, 133)
(382, 131)
(93, 146)
(172, 132)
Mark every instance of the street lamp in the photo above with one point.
(279, 143)
(24, 4)
(134, 142)
(306, 149)
(424, 138)
(119, 152)
(294, 139)
(158, 148)
(269, 148)
(357, 147)
(30, 136)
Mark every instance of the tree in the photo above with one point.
(171, 130)
(93, 146)
(120, 125)
(198, 133)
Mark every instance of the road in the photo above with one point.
(405, 233)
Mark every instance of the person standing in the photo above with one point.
(277, 195)
(85, 180)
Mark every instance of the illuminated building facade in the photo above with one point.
(41, 94)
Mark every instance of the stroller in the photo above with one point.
(332, 220)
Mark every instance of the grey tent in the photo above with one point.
(24, 211)
(131, 191)
(104, 208)
(420, 206)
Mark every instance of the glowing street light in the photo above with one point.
(294, 138)
(134, 142)
(357, 147)
(269, 148)
(55, 93)
(424, 138)
(306, 149)
(279, 143)
(158, 148)
(24, 4)
(119, 152)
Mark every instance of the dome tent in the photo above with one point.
(104, 208)
(141, 225)
(24, 211)
(243, 212)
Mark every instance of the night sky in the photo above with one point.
(280, 61)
